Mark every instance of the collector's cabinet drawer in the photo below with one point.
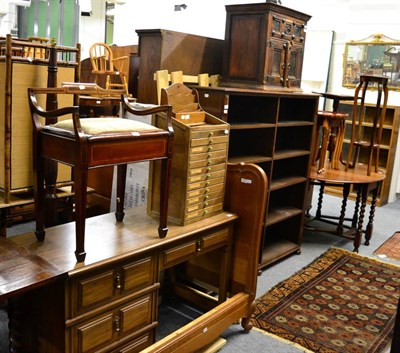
(90, 291)
(116, 326)
(197, 246)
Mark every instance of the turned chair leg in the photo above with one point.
(80, 181)
(164, 194)
(39, 195)
(326, 131)
(121, 182)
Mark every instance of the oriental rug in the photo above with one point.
(390, 248)
(341, 303)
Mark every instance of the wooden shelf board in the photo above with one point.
(279, 214)
(277, 250)
(290, 153)
(249, 159)
(251, 125)
(295, 123)
(287, 181)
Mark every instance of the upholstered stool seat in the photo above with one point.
(103, 126)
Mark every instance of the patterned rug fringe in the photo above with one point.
(305, 350)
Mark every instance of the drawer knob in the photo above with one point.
(118, 281)
(198, 245)
(117, 326)
(210, 134)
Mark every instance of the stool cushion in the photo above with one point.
(97, 126)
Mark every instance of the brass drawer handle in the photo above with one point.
(118, 284)
(198, 245)
(117, 325)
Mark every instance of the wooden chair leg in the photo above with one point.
(50, 168)
(164, 194)
(121, 182)
(80, 181)
(316, 143)
(325, 140)
(39, 195)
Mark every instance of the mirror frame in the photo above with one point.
(358, 59)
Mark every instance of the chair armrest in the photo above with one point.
(147, 109)
(121, 63)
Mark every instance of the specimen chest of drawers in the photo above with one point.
(198, 170)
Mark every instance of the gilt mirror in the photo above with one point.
(375, 55)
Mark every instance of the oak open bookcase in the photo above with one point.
(273, 130)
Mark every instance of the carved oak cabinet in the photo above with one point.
(264, 46)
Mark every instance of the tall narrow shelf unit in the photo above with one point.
(388, 146)
(273, 130)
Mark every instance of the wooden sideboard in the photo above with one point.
(110, 301)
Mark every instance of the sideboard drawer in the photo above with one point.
(114, 325)
(138, 344)
(200, 245)
(96, 289)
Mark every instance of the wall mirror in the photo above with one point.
(375, 55)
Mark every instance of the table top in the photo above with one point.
(336, 96)
(27, 263)
(351, 176)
